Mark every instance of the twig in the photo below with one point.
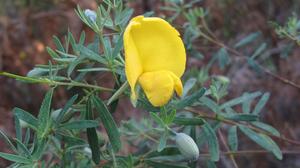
(227, 149)
(53, 82)
(226, 121)
(237, 53)
(251, 152)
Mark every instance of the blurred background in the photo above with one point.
(27, 27)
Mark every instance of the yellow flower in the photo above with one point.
(155, 58)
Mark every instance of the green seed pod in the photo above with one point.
(187, 146)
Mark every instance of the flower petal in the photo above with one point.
(159, 86)
(158, 45)
(133, 66)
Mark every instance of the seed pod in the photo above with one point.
(187, 146)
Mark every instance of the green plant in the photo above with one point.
(70, 137)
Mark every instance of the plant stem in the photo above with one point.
(227, 149)
(250, 152)
(237, 53)
(53, 82)
(226, 121)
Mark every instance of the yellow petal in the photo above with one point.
(133, 66)
(152, 44)
(159, 86)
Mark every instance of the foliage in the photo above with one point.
(70, 136)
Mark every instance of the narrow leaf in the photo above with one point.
(26, 117)
(108, 122)
(240, 100)
(248, 39)
(262, 140)
(157, 119)
(232, 138)
(15, 158)
(267, 128)
(162, 141)
(187, 101)
(241, 117)
(82, 124)
(92, 135)
(189, 84)
(67, 106)
(44, 114)
(58, 44)
(188, 121)
(262, 102)
(212, 140)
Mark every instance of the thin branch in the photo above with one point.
(53, 82)
(237, 53)
(252, 152)
(230, 122)
(231, 156)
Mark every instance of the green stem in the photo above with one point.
(53, 82)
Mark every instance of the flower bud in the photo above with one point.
(187, 146)
(90, 14)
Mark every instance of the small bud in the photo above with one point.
(90, 14)
(187, 146)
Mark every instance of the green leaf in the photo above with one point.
(232, 138)
(171, 116)
(248, 39)
(72, 141)
(67, 106)
(239, 100)
(15, 158)
(92, 135)
(58, 44)
(261, 103)
(26, 117)
(189, 84)
(118, 93)
(118, 47)
(187, 101)
(82, 124)
(241, 117)
(246, 105)
(188, 121)
(18, 129)
(90, 54)
(36, 72)
(253, 64)
(107, 47)
(108, 122)
(210, 164)
(82, 38)
(23, 148)
(39, 148)
(262, 140)
(7, 141)
(267, 128)
(44, 115)
(259, 50)
(164, 165)
(52, 53)
(212, 105)
(223, 58)
(124, 16)
(213, 145)
(163, 141)
(157, 119)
